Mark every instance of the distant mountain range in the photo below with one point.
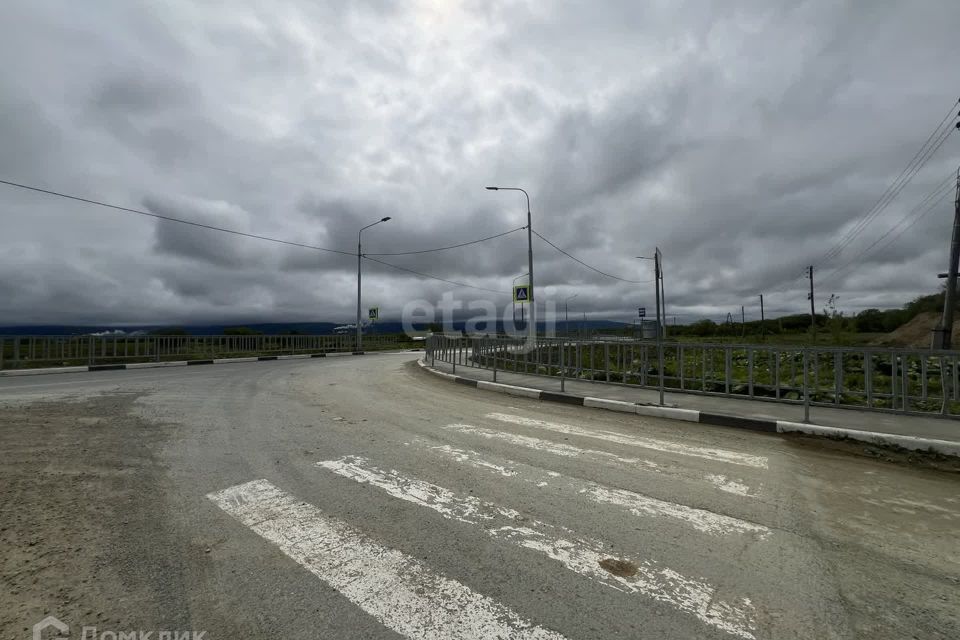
(269, 328)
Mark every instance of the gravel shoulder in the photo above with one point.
(83, 516)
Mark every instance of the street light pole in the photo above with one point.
(359, 260)
(532, 329)
(566, 315)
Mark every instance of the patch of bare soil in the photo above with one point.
(78, 496)
(916, 333)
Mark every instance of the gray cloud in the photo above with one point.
(744, 139)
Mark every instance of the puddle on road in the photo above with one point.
(620, 568)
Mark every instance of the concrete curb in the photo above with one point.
(182, 363)
(944, 447)
(37, 372)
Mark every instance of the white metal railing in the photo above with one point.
(911, 381)
(36, 351)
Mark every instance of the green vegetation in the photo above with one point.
(169, 331)
(832, 326)
(241, 331)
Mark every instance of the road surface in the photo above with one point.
(359, 497)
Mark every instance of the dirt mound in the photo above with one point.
(917, 332)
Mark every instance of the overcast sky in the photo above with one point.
(744, 138)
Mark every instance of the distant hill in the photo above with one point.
(916, 332)
(269, 328)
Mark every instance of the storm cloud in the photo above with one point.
(744, 139)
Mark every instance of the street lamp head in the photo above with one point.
(384, 219)
(492, 188)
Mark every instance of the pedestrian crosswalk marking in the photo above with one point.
(396, 589)
(556, 448)
(582, 556)
(570, 451)
(636, 503)
(709, 453)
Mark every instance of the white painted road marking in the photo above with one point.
(570, 451)
(730, 486)
(636, 503)
(710, 453)
(583, 556)
(391, 586)
(556, 448)
(471, 458)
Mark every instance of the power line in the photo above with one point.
(427, 275)
(592, 268)
(920, 158)
(178, 220)
(930, 201)
(240, 233)
(454, 246)
(915, 164)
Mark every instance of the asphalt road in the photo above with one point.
(363, 498)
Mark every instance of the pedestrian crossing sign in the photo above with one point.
(373, 313)
(521, 293)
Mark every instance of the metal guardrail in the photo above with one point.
(36, 351)
(907, 381)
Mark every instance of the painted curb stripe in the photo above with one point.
(610, 405)
(944, 447)
(565, 398)
(156, 365)
(753, 424)
(687, 415)
(37, 372)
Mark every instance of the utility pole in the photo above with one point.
(743, 323)
(762, 318)
(943, 334)
(566, 314)
(663, 295)
(813, 314)
(656, 276)
(658, 281)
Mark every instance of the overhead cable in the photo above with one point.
(177, 220)
(453, 246)
(592, 268)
